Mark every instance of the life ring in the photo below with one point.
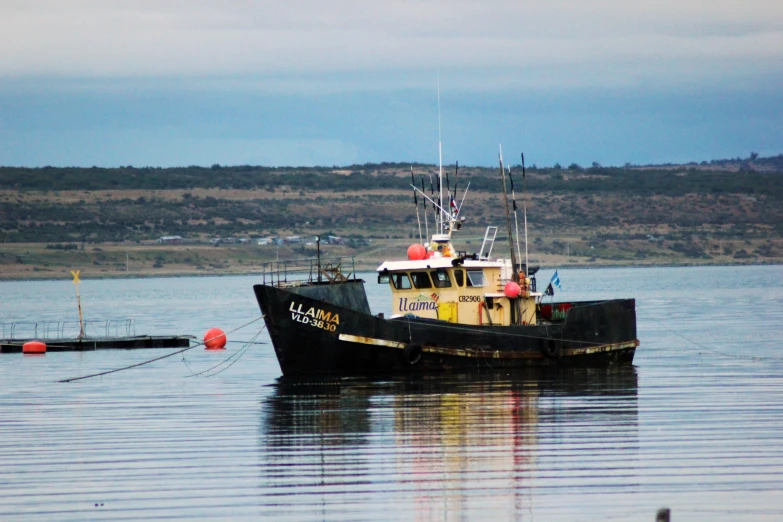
(411, 354)
(552, 348)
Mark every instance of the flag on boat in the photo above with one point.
(523, 165)
(453, 204)
(555, 281)
(513, 195)
(549, 290)
(413, 184)
(432, 198)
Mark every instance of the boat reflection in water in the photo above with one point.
(448, 446)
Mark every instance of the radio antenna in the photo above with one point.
(440, 161)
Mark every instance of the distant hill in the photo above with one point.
(718, 176)
(722, 210)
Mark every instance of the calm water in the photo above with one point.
(696, 425)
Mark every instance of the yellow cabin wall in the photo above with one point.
(460, 304)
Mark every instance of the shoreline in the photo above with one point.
(362, 267)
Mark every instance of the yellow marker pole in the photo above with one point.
(78, 302)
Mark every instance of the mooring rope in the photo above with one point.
(718, 352)
(73, 379)
(237, 354)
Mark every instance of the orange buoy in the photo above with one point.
(512, 290)
(215, 339)
(417, 252)
(34, 348)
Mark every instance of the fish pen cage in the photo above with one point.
(107, 328)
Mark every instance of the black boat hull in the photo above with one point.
(316, 336)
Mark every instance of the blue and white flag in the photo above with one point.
(556, 281)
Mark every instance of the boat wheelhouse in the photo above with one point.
(459, 288)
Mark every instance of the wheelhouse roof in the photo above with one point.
(435, 262)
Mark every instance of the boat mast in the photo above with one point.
(416, 203)
(514, 273)
(426, 224)
(516, 220)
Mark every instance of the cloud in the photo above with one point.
(182, 126)
(312, 82)
(560, 42)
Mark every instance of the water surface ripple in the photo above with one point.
(695, 425)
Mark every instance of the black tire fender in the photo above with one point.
(411, 354)
(552, 348)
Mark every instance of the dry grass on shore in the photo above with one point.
(36, 261)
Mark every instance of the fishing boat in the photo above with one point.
(451, 310)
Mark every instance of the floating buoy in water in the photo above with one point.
(215, 339)
(34, 348)
(417, 252)
(512, 290)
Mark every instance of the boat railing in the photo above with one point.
(67, 329)
(298, 271)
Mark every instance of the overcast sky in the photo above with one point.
(306, 82)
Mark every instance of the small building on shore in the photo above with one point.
(170, 240)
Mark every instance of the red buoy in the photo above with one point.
(34, 348)
(512, 290)
(215, 339)
(417, 252)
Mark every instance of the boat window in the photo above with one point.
(383, 278)
(401, 281)
(476, 278)
(440, 278)
(421, 280)
(459, 277)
